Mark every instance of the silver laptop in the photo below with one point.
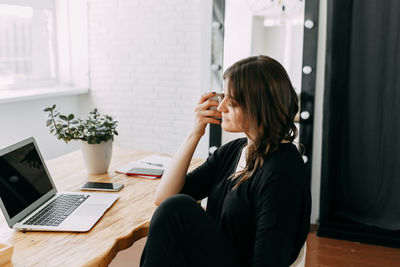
(30, 201)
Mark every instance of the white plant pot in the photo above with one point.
(97, 157)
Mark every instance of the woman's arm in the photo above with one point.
(174, 176)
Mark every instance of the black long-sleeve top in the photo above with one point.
(267, 217)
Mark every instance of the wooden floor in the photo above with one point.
(331, 252)
(321, 252)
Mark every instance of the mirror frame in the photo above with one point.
(308, 83)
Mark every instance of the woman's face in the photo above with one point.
(232, 114)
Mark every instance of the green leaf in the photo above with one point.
(90, 139)
(95, 128)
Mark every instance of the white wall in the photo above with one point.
(23, 119)
(145, 61)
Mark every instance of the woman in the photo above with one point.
(259, 203)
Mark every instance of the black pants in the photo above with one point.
(182, 234)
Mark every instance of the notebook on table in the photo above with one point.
(151, 167)
(30, 201)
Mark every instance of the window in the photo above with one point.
(27, 44)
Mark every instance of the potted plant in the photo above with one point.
(96, 133)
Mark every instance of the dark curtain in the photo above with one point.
(368, 146)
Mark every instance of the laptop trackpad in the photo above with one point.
(90, 210)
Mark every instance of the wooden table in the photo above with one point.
(124, 223)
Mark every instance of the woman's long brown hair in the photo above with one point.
(262, 89)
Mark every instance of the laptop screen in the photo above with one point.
(23, 179)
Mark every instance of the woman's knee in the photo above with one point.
(177, 203)
(174, 206)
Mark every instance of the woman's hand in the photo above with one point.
(204, 115)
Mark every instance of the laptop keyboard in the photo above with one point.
(57, 210)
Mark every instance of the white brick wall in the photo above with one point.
(145, 61)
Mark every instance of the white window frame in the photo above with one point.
(71, 51)
(49, 81)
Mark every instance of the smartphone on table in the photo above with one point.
(97, 186)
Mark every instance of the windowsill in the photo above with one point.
(7, 96)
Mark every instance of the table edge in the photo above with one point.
(120, 243)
